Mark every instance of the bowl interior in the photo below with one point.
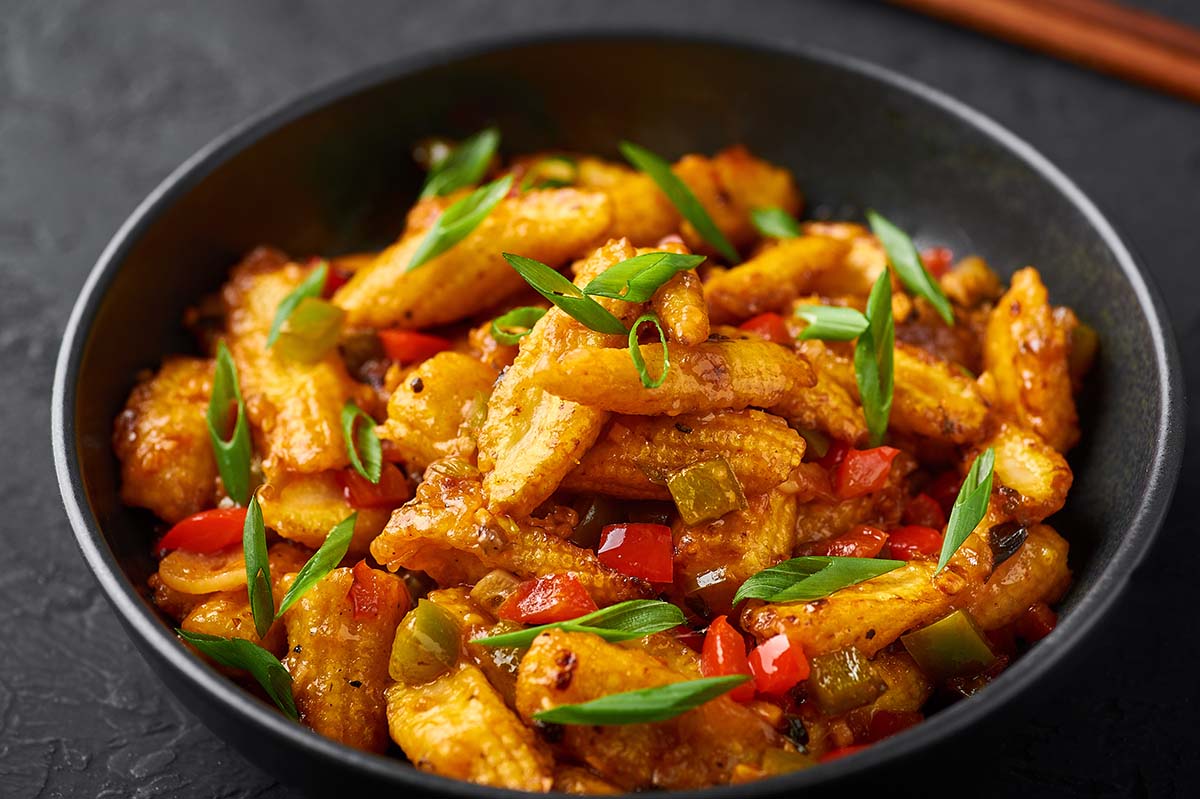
(334, 174)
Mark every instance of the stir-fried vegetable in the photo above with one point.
(705, 491)
(950, 647)
(559, 597)
(777, 665)
(206, 531)
(427, 644)
(639, 550)
(724, 653)
(843, 680)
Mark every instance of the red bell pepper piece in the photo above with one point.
(770, 326)
(639, 550)
(834, 754)
(777, 665)
(409, 346)
(559, 597)
(206, 531)
(937, 260)
(925, 511)
(944, 490)
(1036, 623)
(366, 590)
(835, 455)
(863, 471)
(391, 491)
(913, 542)
(724, 654)
(860, 542)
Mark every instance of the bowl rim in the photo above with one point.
(142, 622)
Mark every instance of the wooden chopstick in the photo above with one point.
(1095, 33)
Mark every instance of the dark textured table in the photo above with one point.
(98, 102)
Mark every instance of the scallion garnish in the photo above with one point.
(457, 221)
(775, 223)
(644, 706)
(812, 577)
(233, 455)
(566, 295)
(635, 352)
(831, 323)
(311, 286)
(362, 443)
(970, 507)
(515, 325)
(681, 197)
(238, 653)
(874, 353)
(464, 166)
(636, 279)
(904, 258)
(323, 561)
(552, 172)
(258, 569)
(620, 622)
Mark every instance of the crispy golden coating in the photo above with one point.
(228, 613)
(429, 411)
(863, 264)
(483, 347)
(714, 376)
(1032, 468)
(712, 560)
(448, 533)
(821, 515)
(1026, 353)
(634, 454)
(458, 726)
(1037, 572)
(305, 507)
(551, 226)
(700, 747)
(531, 439)
(935, 399)
(771, 280)
(295, 407)
(498, 664)
(640, 212)
(680, 302)
(873, 614)
(971, 282)
(162, 441)
(339, 664)
(730, 185)
(825, 406)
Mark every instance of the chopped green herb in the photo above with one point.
(775, 223)
(812, 577)
(635, 352)
(552, 172)
(464, 166)
(258, 569)
(566, 295)
(311, 286)
(264, 667)
(323, 561)
(515, 325)
(831, 323)
(904, 258)
(620, 622)
(681, 197)
(644, 706)
(457, 221)
(636, 279)
(233, 455)
(874, 353)
(970, 507)
(362, 443)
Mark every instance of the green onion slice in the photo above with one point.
(566, 295)
(362, 444)
(311, 286)
(904, 258)
(775, 223)
(811, 577)
(238, 653)
(464, 166)
(323, 561)
(515, 325)
(552, 172)
(233, 455)
(620, 622)
(874, 354)
(831, 323)
(258, 569)
(681, 197)
(970, 506)
(636, 279)
(646, 705)
(635, 352)
(457, 221)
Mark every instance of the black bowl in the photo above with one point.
(332, 172)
